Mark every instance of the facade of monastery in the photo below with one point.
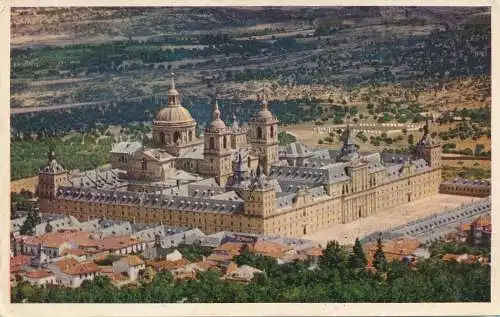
(238, 179)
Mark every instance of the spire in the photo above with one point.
(216, 112)
(51, 155)
(263, 103)
(235, 121)
(426, 127)
(173, 95)
(172, 86)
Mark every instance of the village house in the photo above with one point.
(242, 274)
(69, 272)
(129, 265)
(53, 243)
(394, 250)
(40, 277)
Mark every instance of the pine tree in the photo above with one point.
(333, 255)
(32, 219)
(357, 259)
(379, 261)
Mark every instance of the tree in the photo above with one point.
(379, 261)
(357, 259)
(333, 255)
(32, 219)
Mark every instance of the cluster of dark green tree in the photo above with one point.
(88, 118)
(339, 277)
(285, 138)
(442, 54)
(75, 152)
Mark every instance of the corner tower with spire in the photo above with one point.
(349, 150)
(264, 135)
(217, 148)
(429, 149)
(50, 177)
(259, 196)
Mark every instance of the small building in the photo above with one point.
(40, 277)
(243, 274)
(69, 272)
(131, 265)
(465, 187)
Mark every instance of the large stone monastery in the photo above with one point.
(238, 179)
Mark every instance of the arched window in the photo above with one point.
(249, 163)
(144, 164)
(212, 143)
(190, 135)
(272, 131)
(259, 133)
(224, 142)
(162, 137)
(177, 136)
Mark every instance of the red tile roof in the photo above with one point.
(55, 239)
(264, 247)
(169, 265)
(77, 252)
(66, 263)
(83, 268)
(20, 260)
(133, 260)
(17, 269)
(38, 274)
(314, 251)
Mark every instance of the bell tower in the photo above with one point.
(264, 135)
(217, 148)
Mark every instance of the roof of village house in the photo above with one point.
(205, 265)
(77, 252)
(37, 274)
(482, 221)
(117, 277)
(82, 268)
(218, 257)
(55, 239)
(233, 248)
(132, 260)
(314, 251)
(169, 265)
(116, 242)
(20, 260)
(269, 247)
(449, 257)
(394, 249)
(66, 263)
(17, 268)
(244, 272)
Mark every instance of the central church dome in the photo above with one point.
(174, 112)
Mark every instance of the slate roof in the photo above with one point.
(196, 204)
(128, 148)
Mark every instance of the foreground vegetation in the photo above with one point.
(339, 278)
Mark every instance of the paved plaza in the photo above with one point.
(396, 216)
